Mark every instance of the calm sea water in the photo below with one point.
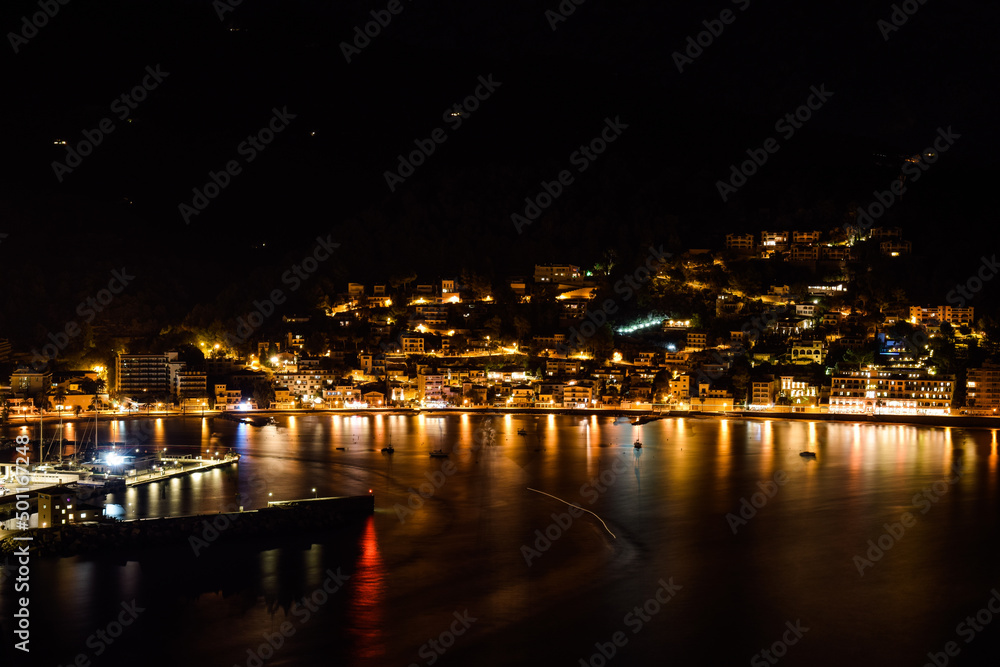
(467, 575)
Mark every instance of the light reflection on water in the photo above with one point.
(461, 547)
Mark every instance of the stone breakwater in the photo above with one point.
(197, 532)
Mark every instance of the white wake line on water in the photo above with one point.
(576, 506)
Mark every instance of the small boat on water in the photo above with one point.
(388, 450)
(521, 431)
(341, 449)
(439, 454)
(622, 419)
(808, 455)
(637, 445)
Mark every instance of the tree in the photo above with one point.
(522, 326)
(77, 410)
(493, 327)
(316, 344)
(59, 396)
(263, 393)
(740, 378)
(402, 279)
(41, 401)
(479, 286)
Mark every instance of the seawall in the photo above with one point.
(198, 531)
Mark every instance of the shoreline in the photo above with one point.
(959, 421)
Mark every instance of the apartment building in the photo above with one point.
(764, 392)
(774, 239)
(950, 314)
(696, 340)
(982, 393)
(557, 273)
(742, 243)
(808, 352)
(142, 376)
(900, 391)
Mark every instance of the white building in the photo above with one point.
(900, 391)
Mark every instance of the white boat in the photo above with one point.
(622, 419)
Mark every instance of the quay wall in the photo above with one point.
(196, 531)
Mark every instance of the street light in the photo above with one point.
(314, 493)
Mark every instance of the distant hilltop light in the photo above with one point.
(59, 142)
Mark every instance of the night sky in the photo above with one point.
(325, 172)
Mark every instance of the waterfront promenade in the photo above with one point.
(656, 411)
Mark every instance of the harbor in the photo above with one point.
(465, 532)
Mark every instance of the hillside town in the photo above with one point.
(773, 321)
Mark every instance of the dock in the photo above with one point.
(186, 466)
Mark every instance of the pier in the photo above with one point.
(186, 465)
(277, 521)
